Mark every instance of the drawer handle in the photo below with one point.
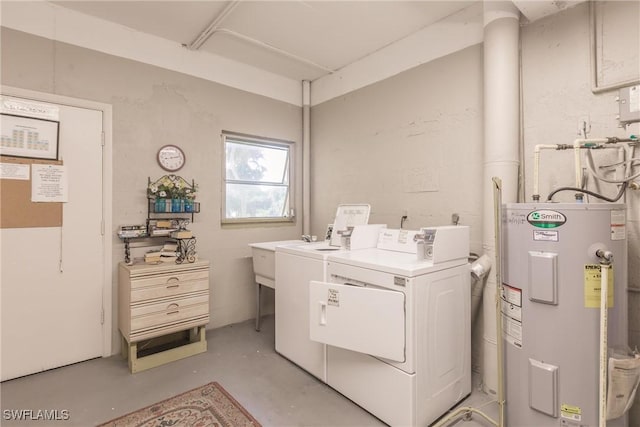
(173, 279)
(177, 285)
(171, 306)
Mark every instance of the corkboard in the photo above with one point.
(16, 208)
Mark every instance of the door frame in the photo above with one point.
(107, 184)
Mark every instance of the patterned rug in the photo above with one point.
(209, 405)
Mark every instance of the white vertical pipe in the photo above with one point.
(604, 306)
(536, 167)
(501, 156)
(306, 157)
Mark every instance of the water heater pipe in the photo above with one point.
(536, 167)
(558, 147)
(602, 392)
(627, 178)
(497, 218)
(606, 258)
(577, 146)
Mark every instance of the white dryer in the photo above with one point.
(397, 329)
(296, 266)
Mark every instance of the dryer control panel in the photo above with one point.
(445, 243)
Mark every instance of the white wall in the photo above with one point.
(411, 144)
(153, 107)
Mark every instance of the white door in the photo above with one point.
(52, 278)
(362, 319)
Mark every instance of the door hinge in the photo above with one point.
(102, 227)
(102, 138)
(102, 316)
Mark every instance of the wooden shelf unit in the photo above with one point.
(156, 301)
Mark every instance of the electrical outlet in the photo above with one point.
(584, 126)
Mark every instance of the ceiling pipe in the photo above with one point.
(273, 49)
(501, 154)
(212, 27)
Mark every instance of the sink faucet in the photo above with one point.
(306, 238)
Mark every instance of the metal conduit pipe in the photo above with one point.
(606, 258)
(306, 157)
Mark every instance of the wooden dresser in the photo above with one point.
(157, 301)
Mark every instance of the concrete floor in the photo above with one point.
(243, 361)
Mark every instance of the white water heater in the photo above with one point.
(550, 309)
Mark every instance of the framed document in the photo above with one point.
(28, 137)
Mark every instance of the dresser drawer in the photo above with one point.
(169, 279)
(155, 315)
(175, 288)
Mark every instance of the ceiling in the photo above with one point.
(301, 40)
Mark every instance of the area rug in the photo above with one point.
(209, 405)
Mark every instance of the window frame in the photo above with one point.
(241, 138)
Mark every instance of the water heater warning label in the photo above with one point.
(570, 412)
(511, 310)
(618, 224)
(592, 286)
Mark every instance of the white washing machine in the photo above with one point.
(397, 329)
(296, 266)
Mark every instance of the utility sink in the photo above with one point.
(264, 268)
(264, 260)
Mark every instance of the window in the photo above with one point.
(256, 181)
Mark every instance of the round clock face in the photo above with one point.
(171, 158)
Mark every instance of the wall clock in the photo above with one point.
(171, 158)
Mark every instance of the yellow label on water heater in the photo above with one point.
(592, 283)
(571, 412)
